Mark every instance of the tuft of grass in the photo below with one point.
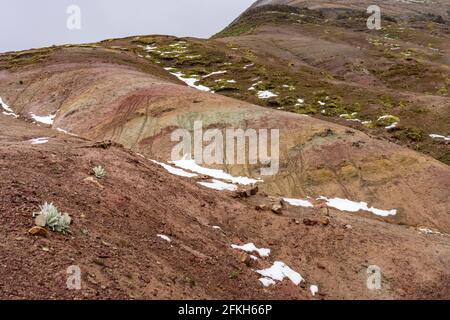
(99, 172)
(387, 120)
(50, 217)
(234, 274)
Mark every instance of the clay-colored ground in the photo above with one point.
(118, 90)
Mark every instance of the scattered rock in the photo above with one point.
(326, 133)
(103, 144)
(246, 193)
(310, 222)
(348, 226)
(277, 208)
(246, 259)
(358, 144)
(325, 221)
(321, 266)
(38, 231)
(323, 206)
(262, 207)
(94, 181)
(40, 221)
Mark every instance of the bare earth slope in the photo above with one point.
(360, 74)
(100, 100)
(116, 103)
(115, 226)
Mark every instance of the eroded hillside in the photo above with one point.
(357, 113)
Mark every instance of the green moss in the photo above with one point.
(24, 58)
(368, 124)
(415, 134)
(273, 14)
(335, 107)
(387, 120)
(146, 40)
(234, 274)
(306, 109)
(443, 91)
(197, 70)
(224, 85)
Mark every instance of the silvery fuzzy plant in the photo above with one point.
(99, 172)
(50, 217)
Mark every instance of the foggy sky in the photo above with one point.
(26, 24)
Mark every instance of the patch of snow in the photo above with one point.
(193, 56)
(299, 203)
(216, 227)
(300, 102)
(267, 282)
(321, 103)
(290, 87)
(150, 48)
(66, 132)
(352, 206)
(175, 171)
(165, 238)
(8, 111)
(253, 257)
(428, 231)
(10, 114)
(438, 136)
(250, 247)
(384, 117)
(190, 165)
(314, 290)
(214, 73)
(191, 82)
(248, 65)
(266, 94)
(279, 271)
(219, 185)
(392, 126)
(39, 140)
(168, 53)
(43, 119)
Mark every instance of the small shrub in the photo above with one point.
(415, 134)
(50, 217)
(99, 172)
(387, 120)
(234, 274)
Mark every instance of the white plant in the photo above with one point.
(99, 172)
(50, 217)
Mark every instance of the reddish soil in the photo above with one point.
(114, 234)
(111, 91)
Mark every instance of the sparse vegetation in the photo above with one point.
(387, 120)
(49, 216)
(234, 274)
(99, 172)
